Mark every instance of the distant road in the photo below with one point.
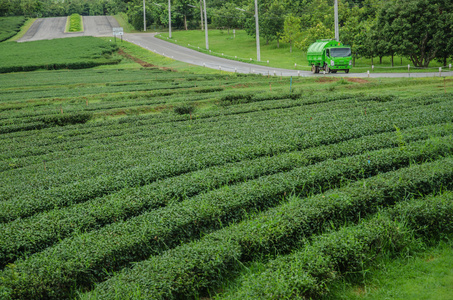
(53, 28)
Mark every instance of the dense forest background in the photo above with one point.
(421, 30)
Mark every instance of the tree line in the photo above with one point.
(421, 30)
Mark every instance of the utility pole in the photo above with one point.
(206, 25)
(144, 16)
(169, 18)
(337, 34)
(258, 55)
(201, 13)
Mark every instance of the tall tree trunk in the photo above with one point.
(290, 47)
(278, 43)
(392, 59)
(380, 60)
(185, 22)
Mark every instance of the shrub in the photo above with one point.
(184, 109)
(68, 118)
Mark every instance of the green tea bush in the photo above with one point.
(68, 118)
(16, 239)
(10, 26)
(117, 244)
(184, 109)
(190, 159)
(284, 229)
(70, 53)
(351, 249)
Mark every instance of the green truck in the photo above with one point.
(330, 56)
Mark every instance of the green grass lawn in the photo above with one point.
(243, 47)
(426, 275)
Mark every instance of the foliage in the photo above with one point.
(291, 31)
(10, 26)
(184, 109)
(75, 23)
(276, 231)
(226, 17)
(417, 28)
(315, 33)
(71, 53)
(307, 272)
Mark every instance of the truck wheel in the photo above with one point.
(316, 69)
(346, 71)
(327, 69)
(313, 69)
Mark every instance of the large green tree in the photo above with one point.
(226, 16)
(291, 31)
(272, 21)
(418, 29)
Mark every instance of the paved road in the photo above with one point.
(52, 28)
(150, 42)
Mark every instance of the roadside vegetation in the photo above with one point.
(74, 23)
(151, 179)
(69, 53)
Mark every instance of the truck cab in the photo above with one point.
(330, 56)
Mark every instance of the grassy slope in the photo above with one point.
(244, 47)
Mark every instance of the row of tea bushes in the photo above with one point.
(36, 233)
(260, 142)
(86, 257)
(307, 272)
(193, 267)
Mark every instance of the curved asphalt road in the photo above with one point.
(52, 28)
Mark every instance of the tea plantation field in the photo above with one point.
(149, 183)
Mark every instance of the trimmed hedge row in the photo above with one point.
(85, 258)
(308, 271)
(118, 130)
(36, 233)
(10, 26)
(277, 231)
(261, 142)
(129, 133)
(56, 54)
(75, 23)
(141, 123)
